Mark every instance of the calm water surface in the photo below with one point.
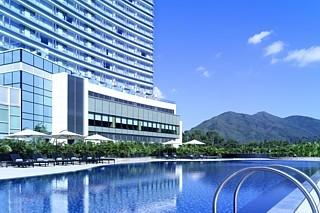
(147, 187)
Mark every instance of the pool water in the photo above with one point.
(148, 187)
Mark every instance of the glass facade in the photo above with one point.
(36, 91)
(110, 42)
(10, 110)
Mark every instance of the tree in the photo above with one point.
(40, 127)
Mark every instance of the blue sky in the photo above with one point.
(246, 56)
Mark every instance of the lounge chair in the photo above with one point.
(39, 159)
(102, 158)
(202, 156)
(174, 155)
(18, 161)
(191, 156)
(59, 159)
(165, 155)
(72, 158)
(89, 159)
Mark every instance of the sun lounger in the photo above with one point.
(72, 158)
(39, 159)
(89, 159)
(165, 155)
(59, 159)
(102, 158)
(18, 161)
(174, 155)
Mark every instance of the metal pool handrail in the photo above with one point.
(251, 170)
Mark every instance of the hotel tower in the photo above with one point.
(82, 65)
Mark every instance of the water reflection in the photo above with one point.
(124, 188)
(149, 187)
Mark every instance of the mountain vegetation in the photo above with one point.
(260, 127)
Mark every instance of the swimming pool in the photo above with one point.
(148, 187)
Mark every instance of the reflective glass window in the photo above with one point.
(38, 109)
(47, 110)
(27, 57)
(4, 127)
(38, 62)
(27, 107)
(91, 116)
(4, 115)
(27, 78)
(47, 101)
(47, 119)
(97, 117)
(38, 82)
(38, 118)
(8, 78)
(38, 91)
(27, 124)
(27, 96)
(14, 122)
(16, 56)
(27, 88)
(16, 77)
(8, 57)
(27, 116)
(47, 93)
(47, 66)
(15, 97)
(1, 58)
(47, 84)
(14, 110)
(1, 79)
(55, 68)
(38, 99)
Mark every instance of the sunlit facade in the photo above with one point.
(85, 66)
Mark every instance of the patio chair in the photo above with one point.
(39, 159)
(72, 158)
(191, 156)
(89, 159)
(174, 155)
(59, 159)
(165, 155)
(17, 160)
(101, 158)
(202, 156)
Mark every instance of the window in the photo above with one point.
(27, 57)
(27, 78)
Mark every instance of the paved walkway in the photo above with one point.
(18, 172)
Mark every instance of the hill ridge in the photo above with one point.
(261, 126)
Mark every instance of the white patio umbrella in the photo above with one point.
(65, 134)
(169, 143)
(28, 133)
(96, 138)
(195, 142)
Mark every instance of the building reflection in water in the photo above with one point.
(120, 188)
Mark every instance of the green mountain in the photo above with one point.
(261, 126)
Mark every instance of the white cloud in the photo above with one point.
(218, 55)
(274, 60)
(257, 38)
(204, 72)
(304, 57)
(157, 93)
(274, 48)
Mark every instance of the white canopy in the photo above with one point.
(28, 133)
(169, 143)
(65, 134)
(195, 142)
(97, 138)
